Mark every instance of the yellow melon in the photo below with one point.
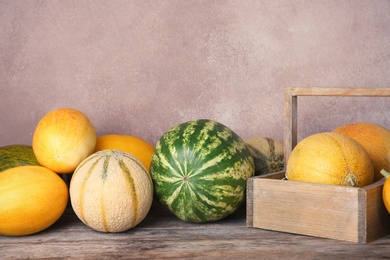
(111, 191)
(62, 139)
(386, 189)
(32, 198)
(376, 141)
(330, 158)
(127, 143)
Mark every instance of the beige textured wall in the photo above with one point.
(141, 67)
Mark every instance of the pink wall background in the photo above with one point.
(141, 67)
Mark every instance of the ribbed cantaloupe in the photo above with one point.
(376, 141)
(111, 191)
(32, 198)
(330, 158)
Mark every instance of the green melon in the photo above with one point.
(17, 155)
(268, 154)
(199, 169)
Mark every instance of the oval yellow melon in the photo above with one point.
(127, 143)
(330, 158)
(32, 198)
(376, 141)
(62, 139)
(111, 191)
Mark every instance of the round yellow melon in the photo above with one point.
(32, 198)
(376, 141)
(62, 139)
(127, 143)
(111, 191)
(330, 158)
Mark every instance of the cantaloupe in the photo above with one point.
(111, 191)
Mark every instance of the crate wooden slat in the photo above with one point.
(329, 211)
(343, 213)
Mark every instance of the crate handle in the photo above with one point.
(291, 104)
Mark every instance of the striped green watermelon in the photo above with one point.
(199, 169)
(16, 155)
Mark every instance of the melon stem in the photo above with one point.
(350, 180)
(385, 173)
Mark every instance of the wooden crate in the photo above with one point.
(329, 211)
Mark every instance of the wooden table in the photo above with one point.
(162, 235)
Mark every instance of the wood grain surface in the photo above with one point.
(162, 236)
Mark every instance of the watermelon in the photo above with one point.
(17, 155)
(199, 170)
(268, 154)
